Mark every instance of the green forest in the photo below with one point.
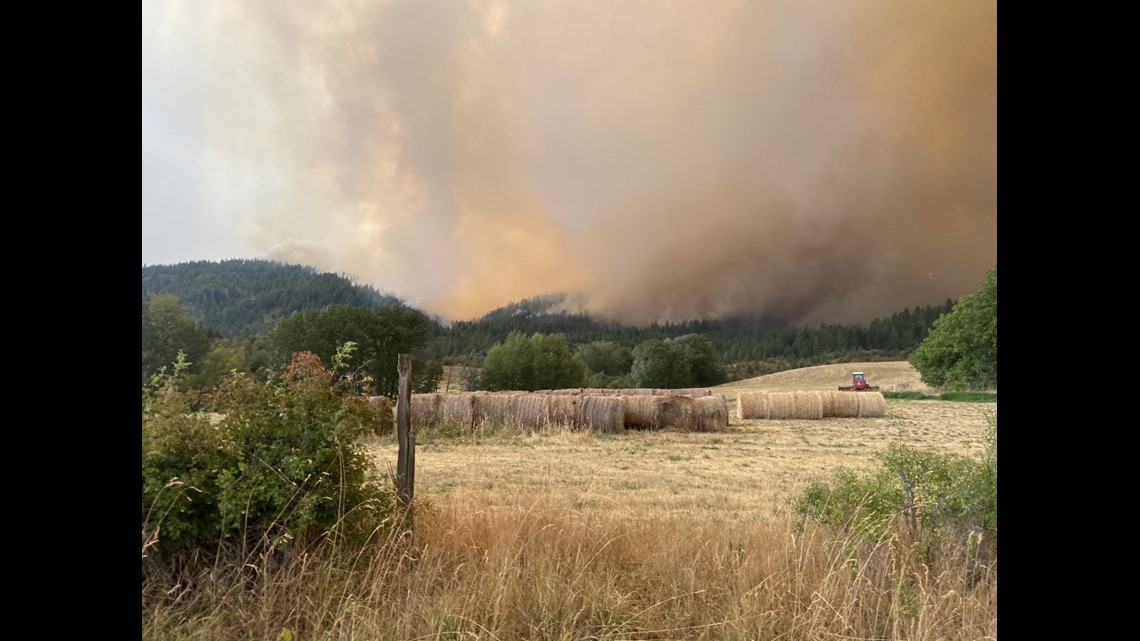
(237, 298)
(251, 314)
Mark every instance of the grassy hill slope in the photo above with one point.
(891, 376)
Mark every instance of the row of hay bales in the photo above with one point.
(812, 405)
(691, 392)
(588, 411)
(699, 414)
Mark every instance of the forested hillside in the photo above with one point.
(246, 298)
(241, 297)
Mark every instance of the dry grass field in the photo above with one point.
(560, 536)
(891, 376)
(748, 471)
(681, 535)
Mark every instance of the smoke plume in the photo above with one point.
(813, 160)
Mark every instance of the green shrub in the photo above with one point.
(959, 397)
(909, 396)
(861, 505)
(969, 397)
(264, 462)
(944, 498)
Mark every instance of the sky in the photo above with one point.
(812, 160)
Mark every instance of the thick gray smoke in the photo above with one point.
(815, 160)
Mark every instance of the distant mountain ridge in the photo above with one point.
(242, 297)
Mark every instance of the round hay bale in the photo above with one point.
(871, 404)
(829, 401)
(844, 404)
(612, 391)
(492, 410)
(752, 405)
(458, 410)
(710, 414)
(387, 420)
(677, 412)
(425, 410)
(561, 410)
(600, 413)
(691, 392)
(781, 405)
(529, 410)
(808, 405)
(642, 412)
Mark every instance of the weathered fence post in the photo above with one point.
(406, 457)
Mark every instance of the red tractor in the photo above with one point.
(858, 384)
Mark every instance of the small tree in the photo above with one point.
(471, 379)
(606, 357)
(676, 362)
(380, 333)
(168, 328)
(426, 376)
(217, 364)
(703, 366)
(539, 362)
(661, 364)
(960, 352)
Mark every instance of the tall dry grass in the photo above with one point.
(545, 571)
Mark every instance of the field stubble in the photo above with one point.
(669, 535)
(748, 471)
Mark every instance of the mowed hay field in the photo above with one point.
(891, 376)
(751, 470)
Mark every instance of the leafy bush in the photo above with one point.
(168, 328)
(380, 333)
(605, 381)
(969, 397)
(958, 397)
(909, 396)
(265, 461)
(960, 352)
(944, 498)
(606, 357)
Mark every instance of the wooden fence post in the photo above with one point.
(406, 457)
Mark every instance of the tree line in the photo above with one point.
(605, 353)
